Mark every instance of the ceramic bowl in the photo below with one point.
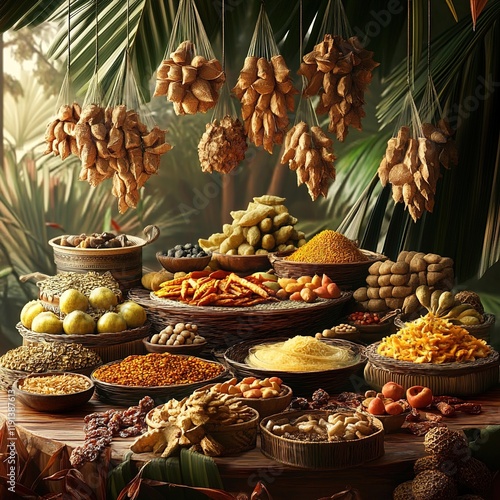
(53, 403)
(242, 264)
(193, 349)
(186, 264)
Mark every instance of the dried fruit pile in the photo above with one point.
(111, 142)
(266, 92)
(189, 81)
(222, 146)
(392, 285)
(339, 71)
(308, 151)
(412, 165)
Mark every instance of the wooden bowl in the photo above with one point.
(174, 349)
(375, 332)
(244, 264)
(391, 423)
(52, 403)
(302, 383)
(347, 275)
(186, 264)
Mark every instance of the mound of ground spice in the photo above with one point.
(328, 247)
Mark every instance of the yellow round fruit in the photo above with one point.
(73, 300)
(103, 297)
(78, 323)
(47, 322)
(133, 314)
(29, 311)
(111, 322)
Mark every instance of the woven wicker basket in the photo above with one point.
(302, 383)
(109, 346)
(226, 326)
(123, 395)
(347, 275)
(481, 331)
(454, 379)
(8, 376)
(320, 455)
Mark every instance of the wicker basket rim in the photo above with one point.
(489, 320)
(281, 306)
(372, 257)
(91, 339)
(455, 366)
(156, 387)
(359, 349)
(376, 422)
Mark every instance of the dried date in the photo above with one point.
(471, 408)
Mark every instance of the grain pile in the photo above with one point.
(328, 247)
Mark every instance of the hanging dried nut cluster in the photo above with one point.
(412, 166)
(265, 90)
(59, 132)
(339, 71)
(189, 81)
(309, 152)
(222, 146)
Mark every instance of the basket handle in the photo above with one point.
(33, 276)
(152, 233)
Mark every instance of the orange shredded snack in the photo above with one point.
(328, 247)
(431, 339)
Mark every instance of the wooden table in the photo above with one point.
(47, 433)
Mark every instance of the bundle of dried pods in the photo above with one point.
(412, 165)
(189, 81)
(222, 146)
(339, 71)
(266, 92)
(308, 151)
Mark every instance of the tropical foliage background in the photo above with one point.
(40, 196)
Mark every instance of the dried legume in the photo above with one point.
(328, 247)
(155, 369)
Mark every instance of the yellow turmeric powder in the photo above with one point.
(328, 247)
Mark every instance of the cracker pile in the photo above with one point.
(186, 423)
(266, 92)
(189, 81)
(412, 165)
(339, 71)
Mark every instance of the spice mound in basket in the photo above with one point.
(328, 247)
(212, 423)
(157, 370)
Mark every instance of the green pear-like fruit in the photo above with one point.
(78, 323)
(133, 313)
(111, 322)
(47, 322)
(73, 300)
(29, 311)
(103, 297)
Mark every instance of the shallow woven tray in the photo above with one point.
(320, 455)
(457, 379)
(481, 331)
(123, 395)
(226, 326)
(302, 383)
(347, 275)
(109, 346)
(8, 376)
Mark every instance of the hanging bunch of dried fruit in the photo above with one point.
(265, 90)
(189, 81)
(309, 152)
(411, 165)
(59, 134)
(339, 71)
(114, 143)
(222, 146)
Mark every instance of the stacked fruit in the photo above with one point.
(99, 312)
(389, 401)
(307, 288)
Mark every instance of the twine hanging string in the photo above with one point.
(94, 92)
(335, 21)
(65, 92)
(263, 43)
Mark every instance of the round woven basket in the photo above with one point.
(456, 379)
(124, 395)
(347, 275)
(320, 455)
(302, 383)
(109, 346)
(481, 331)
(124, 263)
(226, 326)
